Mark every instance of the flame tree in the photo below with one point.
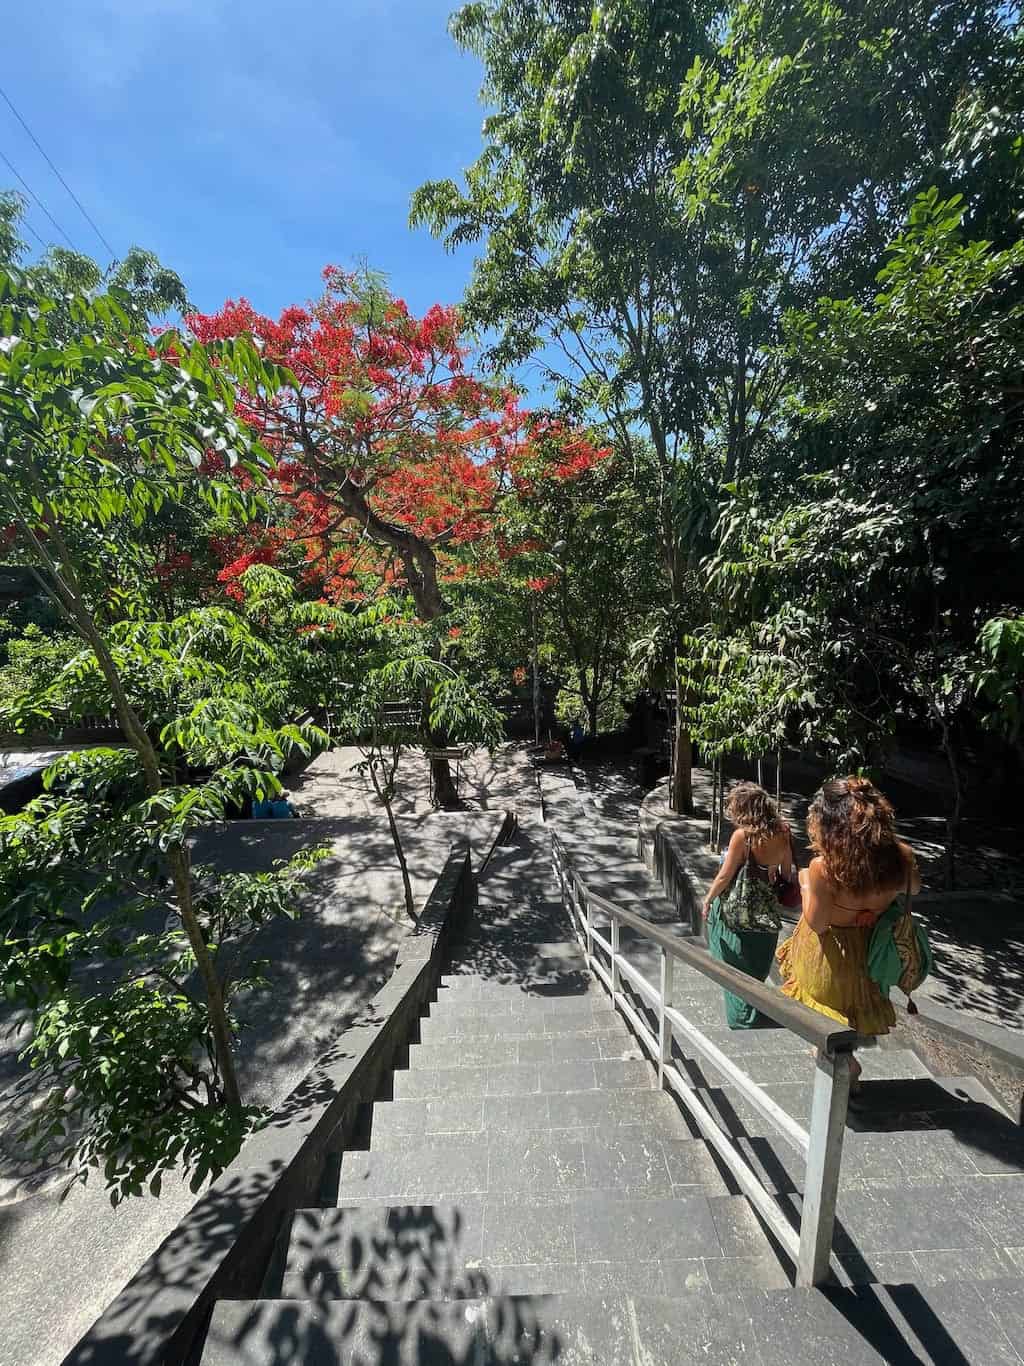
(392, 458)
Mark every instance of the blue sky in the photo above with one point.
(246, 144)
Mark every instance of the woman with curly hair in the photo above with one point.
(859, 869)
(764, 838)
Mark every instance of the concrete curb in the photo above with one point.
(1005, 1046)
(222, 1247)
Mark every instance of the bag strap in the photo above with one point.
(908, 901)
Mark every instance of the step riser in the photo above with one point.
(525, 1079)
(519, 1027)
(522, 1006)
(508, 1052)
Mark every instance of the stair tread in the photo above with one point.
(585, 1047)
(387, 1249)
(394, 1121)
(533, 1161)
(434, 1029)
(975, 1321)
(523, 1079)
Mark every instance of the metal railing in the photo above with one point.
(821, 1145)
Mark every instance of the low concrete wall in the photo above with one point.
(673, 848)
(223, 1246)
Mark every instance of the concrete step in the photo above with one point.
(504, 1052)
(537, 923)
(975, 1216)
(459, 1248)
(910, 1158)
(886, 1105)
(531, 1162)
(540, 1024)
(576, 1114)
(973, 1321)
(571, 981)
(453, 1005)
(522, 1079)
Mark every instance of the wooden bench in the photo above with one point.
(455, 754)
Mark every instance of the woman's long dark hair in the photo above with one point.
(852, 828)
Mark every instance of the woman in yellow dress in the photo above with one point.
(859, 868)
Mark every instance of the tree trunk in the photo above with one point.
(64, 587)
(446, 794)
(592, 714)
(420, 564)
(953, 819)
(535, 664)
(383, 792)
(682, 773)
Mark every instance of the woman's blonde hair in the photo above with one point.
(852, 827)
(751, 810)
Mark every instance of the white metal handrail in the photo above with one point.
(821, 1145)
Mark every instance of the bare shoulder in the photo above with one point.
(816, 875)
(738, 841)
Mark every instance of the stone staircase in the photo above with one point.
(525, 1193)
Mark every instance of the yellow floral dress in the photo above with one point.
(829, 973)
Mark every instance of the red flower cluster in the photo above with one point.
(385, 408)
(230, 575)
(174, 564)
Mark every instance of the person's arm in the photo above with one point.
(735, 857)
(794, 867)
(817, 897)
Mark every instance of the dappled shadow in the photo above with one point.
(979, 961)
(378, 1284)
(332, 786)
(613, 786)
(324, 967)
(521, 934)
(170, 1285)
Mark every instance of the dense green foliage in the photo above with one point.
(768, 259)
(781, 243)
(106, 925)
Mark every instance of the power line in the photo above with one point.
(28, 190)
(26, 224)
(42, 152)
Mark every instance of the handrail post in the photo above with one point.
(588, 928)
(664, 1000)
(824, 1157)
(616, 981)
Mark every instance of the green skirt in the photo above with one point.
(749, 950)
